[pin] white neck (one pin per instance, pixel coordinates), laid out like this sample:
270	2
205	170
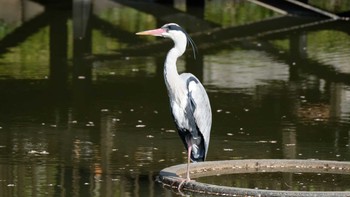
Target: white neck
171	75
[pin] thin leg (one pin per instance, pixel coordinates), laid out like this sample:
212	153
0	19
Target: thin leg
188	163
189	149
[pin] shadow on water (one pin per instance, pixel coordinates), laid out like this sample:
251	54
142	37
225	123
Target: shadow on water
84	110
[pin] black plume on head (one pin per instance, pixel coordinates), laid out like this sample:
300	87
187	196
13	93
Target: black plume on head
176	27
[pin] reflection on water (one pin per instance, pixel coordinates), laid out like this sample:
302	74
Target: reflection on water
331	53
89	116
224	70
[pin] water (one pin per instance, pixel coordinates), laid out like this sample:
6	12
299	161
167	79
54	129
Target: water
90	116
283	181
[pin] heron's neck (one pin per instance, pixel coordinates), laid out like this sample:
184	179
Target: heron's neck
171	76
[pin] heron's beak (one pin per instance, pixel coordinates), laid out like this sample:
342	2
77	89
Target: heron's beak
153	32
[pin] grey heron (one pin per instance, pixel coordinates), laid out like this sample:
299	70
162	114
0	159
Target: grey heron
189	101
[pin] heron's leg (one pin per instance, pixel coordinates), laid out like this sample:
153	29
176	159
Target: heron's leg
189	149
188	161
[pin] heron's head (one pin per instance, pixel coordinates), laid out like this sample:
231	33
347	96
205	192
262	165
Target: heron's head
174	32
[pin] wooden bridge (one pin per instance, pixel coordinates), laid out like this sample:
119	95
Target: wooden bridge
212	35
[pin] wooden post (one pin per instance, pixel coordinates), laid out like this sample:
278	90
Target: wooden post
168	2
195	7
58	52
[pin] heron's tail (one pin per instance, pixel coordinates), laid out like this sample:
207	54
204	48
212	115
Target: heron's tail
198	152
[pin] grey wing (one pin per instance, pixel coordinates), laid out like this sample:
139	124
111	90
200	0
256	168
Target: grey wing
202	110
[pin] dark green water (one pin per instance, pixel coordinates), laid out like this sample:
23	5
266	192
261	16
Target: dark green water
283	181
87	113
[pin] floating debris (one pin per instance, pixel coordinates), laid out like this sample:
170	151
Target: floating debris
44	152
170	131
228	149
230	134
267	142
219	110
289	144
140	125
150	136
115	119
104	110
81	77
90	124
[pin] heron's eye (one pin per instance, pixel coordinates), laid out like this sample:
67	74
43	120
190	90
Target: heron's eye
170	27
173	27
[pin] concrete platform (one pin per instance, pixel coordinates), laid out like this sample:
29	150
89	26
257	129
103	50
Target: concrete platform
171	177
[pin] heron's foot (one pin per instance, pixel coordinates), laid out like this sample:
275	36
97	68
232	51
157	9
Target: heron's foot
183	182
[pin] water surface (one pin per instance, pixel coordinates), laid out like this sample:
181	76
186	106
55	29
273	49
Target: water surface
89	115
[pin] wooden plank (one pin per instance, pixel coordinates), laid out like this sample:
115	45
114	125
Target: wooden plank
166	14
294	7
24	31
314	9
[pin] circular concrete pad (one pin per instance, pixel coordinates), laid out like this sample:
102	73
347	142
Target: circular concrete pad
171	177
